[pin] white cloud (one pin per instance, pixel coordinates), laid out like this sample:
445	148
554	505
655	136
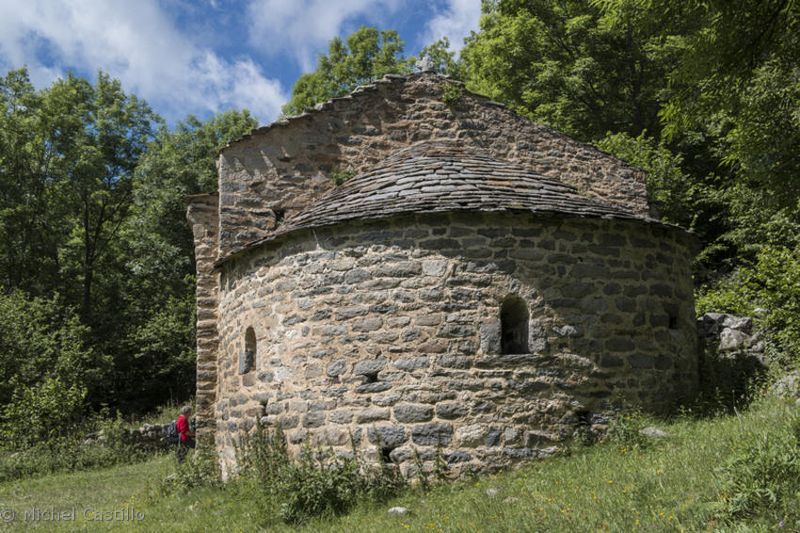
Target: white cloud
138	43
303	28
455	22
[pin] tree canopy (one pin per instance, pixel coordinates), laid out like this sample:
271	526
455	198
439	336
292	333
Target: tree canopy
93	238
366	54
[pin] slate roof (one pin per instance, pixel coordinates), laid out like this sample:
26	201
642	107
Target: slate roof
444	176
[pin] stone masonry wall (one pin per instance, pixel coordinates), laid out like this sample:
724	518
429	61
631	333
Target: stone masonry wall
389	332
202	214
284	167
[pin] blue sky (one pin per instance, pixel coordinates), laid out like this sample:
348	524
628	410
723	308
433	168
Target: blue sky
205	56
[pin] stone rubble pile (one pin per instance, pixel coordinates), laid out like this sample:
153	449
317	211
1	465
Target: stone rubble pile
731	335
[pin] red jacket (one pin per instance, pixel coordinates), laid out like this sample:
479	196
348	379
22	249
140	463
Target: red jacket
183	428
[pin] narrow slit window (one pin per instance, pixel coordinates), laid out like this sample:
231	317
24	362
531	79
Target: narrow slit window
514	326
247	359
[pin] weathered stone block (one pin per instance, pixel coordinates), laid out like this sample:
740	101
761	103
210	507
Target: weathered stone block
641	361
451	410
411	363
408	412
432	434
336	368
472	436
373	387
434	267
387	437
346	313
314	419
372	414
368	367
368	324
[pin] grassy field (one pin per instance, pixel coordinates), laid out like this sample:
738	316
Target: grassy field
672	485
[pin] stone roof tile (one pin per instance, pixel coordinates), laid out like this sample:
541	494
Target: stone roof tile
444	176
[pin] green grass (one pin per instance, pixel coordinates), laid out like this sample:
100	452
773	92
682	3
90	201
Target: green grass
672	485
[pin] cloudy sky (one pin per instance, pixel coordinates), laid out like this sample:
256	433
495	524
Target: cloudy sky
205	56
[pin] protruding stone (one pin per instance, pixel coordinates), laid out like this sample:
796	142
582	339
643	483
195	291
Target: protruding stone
408	412
432	434
387	437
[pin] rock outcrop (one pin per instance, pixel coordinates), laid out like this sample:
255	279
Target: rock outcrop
732	355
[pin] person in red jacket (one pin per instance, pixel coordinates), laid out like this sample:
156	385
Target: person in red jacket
185	433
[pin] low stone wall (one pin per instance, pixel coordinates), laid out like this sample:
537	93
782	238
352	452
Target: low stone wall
150	436
389	333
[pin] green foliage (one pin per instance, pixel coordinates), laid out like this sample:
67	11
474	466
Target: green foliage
156	355
68	154
772	284
731	108
682	484
452	94
762	482
339	176
42	413
46	367
199	470
90	444
161	353
625	431
565	64
318	483
367	54
702	95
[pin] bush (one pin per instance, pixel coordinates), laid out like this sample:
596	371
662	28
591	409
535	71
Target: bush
763	481
199	470
41	413
772	283
317	483
625	431
97	443
47	370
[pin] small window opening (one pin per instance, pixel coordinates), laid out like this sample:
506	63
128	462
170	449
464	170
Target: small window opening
371	377
247	359
673	321
280	214
514	326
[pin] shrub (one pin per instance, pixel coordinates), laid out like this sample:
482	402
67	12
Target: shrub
41	413
47	370
452	93
772	283
763	481
200	470
673	191
625	430
317	483
339	176
106	445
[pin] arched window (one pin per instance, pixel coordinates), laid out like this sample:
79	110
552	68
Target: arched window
514	325
247	359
